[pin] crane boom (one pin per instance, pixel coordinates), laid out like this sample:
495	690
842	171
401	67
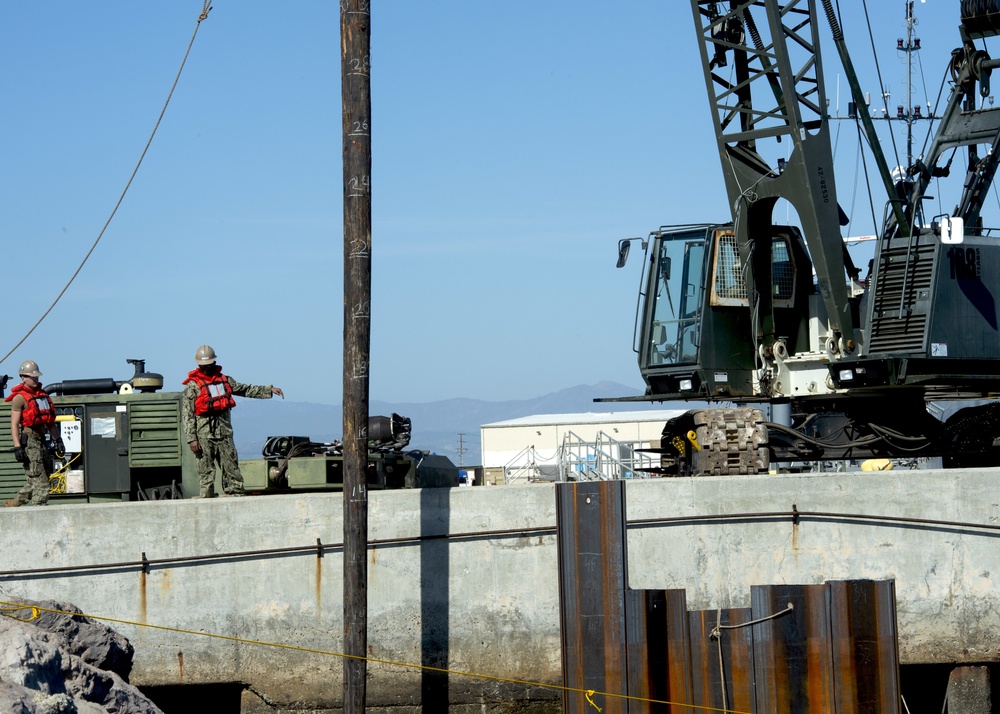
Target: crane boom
774	92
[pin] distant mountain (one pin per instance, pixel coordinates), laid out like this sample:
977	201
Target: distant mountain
436	425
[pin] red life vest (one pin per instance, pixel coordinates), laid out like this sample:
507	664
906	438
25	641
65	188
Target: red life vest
38	407
214	393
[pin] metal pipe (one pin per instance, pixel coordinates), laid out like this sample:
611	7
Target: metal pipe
781	413
795	516
84	386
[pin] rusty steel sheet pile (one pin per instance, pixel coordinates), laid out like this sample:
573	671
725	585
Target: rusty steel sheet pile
591	524
721	659
829	647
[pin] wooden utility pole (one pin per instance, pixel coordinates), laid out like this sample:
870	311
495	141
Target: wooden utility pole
355	43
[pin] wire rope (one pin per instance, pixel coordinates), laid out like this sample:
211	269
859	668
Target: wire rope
206	8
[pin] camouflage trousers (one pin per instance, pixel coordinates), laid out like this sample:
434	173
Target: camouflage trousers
221	452
37	468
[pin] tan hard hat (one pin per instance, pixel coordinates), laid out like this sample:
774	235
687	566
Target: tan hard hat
29	368
205	355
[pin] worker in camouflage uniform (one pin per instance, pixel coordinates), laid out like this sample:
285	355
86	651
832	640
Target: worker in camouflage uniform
208	430
32	415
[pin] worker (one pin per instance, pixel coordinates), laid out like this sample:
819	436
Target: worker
208	430
32	415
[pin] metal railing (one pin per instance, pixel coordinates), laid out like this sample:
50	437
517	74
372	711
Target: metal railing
523	467
602	459
605	458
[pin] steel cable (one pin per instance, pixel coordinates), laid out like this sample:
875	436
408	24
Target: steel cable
206	8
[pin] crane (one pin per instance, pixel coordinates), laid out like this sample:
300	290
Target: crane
752	316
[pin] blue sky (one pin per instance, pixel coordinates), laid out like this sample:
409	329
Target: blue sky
513	145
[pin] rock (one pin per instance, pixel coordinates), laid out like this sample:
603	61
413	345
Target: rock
94	643
65	664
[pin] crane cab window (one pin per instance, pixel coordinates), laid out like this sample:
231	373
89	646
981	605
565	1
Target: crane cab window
728	276
677	290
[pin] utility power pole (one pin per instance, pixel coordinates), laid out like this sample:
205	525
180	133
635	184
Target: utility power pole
461	448
355	44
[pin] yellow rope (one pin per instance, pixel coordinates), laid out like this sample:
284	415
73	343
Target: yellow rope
588	693
35	612
57	480
591	701
66	465
206	8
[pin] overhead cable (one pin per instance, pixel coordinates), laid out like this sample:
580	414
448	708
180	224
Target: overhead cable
206	8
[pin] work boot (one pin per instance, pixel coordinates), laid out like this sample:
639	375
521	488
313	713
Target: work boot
11	503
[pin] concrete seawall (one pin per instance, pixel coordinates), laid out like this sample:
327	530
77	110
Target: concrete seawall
486	601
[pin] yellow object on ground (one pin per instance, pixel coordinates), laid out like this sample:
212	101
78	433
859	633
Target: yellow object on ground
876	465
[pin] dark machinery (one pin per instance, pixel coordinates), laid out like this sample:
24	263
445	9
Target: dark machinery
296	462
900	364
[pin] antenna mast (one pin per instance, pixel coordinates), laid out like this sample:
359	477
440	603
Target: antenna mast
912	113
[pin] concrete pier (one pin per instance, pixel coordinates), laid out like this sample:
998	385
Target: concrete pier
479	610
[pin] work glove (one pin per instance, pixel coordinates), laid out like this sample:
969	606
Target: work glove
60	447
19	454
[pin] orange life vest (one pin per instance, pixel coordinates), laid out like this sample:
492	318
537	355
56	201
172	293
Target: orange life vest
214	393
38	407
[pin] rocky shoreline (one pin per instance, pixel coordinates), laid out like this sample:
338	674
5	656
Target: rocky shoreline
54	662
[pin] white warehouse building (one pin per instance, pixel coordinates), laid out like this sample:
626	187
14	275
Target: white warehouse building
564	447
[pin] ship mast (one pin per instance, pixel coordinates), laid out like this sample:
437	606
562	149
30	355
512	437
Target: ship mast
912	112
909	113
